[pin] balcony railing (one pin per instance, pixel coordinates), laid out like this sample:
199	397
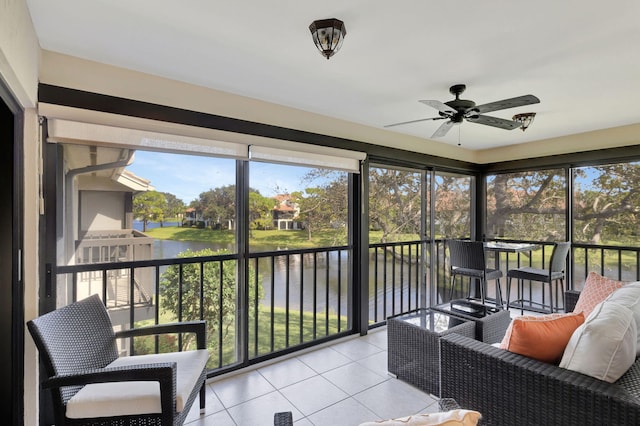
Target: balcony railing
297	298
616	262
294	298
112	246
395	278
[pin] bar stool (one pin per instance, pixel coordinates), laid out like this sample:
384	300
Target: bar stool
468	259
551	276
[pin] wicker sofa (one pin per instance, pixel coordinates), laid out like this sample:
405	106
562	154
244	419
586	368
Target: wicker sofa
510	389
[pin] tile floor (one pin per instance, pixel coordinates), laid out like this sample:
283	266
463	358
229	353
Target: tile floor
343	384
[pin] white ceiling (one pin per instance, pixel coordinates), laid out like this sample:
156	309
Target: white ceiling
581	58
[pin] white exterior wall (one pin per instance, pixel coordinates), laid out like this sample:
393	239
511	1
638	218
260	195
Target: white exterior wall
101	210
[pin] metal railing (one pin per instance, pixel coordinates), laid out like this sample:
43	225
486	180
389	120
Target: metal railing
293	298
297	298
306	297
395	278
397	288
616	262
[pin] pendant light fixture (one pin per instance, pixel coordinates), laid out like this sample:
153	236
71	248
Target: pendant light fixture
328	35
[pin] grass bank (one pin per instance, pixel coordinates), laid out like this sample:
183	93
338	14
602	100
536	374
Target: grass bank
292	239
264	344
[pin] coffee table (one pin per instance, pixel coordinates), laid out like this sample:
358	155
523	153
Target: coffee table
414	346
490	323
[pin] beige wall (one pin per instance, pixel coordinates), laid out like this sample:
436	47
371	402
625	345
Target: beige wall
599	139
19	64
67	71
30	260
19	52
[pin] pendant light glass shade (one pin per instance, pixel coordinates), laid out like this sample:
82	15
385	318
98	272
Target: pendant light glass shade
328	35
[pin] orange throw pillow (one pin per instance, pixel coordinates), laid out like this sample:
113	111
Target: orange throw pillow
541	337
596	289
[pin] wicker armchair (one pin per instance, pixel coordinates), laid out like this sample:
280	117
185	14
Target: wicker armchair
511	389
90	385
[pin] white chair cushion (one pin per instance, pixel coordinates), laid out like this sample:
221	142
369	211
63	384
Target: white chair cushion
131	398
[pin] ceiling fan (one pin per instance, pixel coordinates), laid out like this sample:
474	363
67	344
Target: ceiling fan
458	110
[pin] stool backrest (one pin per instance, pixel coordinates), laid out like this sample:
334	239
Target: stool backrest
467	254
559	255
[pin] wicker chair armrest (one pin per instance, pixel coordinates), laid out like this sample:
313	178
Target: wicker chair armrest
197	327
510	389
164	373
448	404
139	372
570	300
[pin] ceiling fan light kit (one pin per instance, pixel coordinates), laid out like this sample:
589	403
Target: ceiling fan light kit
525	119
458	110
328	35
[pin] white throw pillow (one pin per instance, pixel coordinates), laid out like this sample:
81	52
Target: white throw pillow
604	346
448	418
629	296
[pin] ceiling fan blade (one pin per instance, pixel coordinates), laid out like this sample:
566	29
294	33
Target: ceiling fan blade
442	107
507	103
414	121
495	122
443	129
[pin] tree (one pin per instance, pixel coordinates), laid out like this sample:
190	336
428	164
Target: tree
173	207
260	210
394	202
217	205
219	296
607	203
149	206
324	206
452	205
527	205
532	204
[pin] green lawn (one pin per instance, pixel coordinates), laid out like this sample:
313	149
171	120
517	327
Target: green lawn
292	239
264	343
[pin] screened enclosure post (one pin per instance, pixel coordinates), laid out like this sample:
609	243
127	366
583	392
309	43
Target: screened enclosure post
478	208
242	237
429	291
569	226
422	269
359	241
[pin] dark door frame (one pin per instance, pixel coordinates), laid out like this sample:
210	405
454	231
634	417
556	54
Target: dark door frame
11	188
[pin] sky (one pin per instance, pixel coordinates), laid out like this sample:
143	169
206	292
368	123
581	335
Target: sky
186	176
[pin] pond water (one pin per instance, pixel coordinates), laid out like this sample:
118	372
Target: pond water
308	276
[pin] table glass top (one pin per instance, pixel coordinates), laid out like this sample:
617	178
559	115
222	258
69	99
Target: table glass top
430	320
465	307
504	246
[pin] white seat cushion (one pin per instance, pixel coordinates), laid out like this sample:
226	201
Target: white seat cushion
131	398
